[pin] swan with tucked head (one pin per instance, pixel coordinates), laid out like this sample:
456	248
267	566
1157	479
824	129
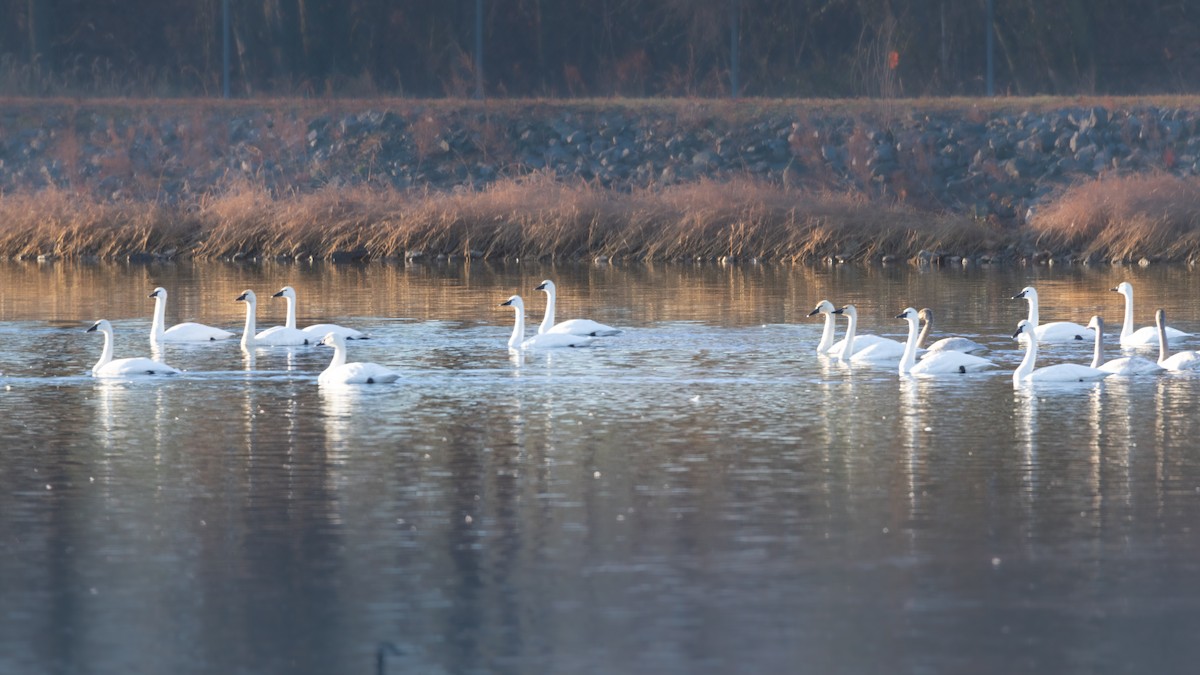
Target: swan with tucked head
340	372
880	349
1185	360
316	331
950	344
1059	372
1146	336
542	340
935	363
571	326
132	367
180	332
1126	365
279	336
1056	331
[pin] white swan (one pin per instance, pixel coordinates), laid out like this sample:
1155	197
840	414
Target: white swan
572	326
879	349
107	367
340	372
542	340
1146	336
950	344
1185	360
180	332
279	336
1056	331
1060	372
935	363
825	307
1126	365
316	331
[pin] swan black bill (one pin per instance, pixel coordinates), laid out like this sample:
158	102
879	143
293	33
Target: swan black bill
1019	331
155	294
1018	296
902	315
278	295
506	303
838	310
240	298
815	311
94	328
540	287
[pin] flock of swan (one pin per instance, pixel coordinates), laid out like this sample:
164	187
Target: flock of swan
959	355
572	333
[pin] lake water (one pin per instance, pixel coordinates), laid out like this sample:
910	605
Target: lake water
700	494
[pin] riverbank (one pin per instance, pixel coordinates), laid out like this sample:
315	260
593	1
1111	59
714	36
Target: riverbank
930	181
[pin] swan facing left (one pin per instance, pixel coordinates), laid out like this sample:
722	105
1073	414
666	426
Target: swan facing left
315	331
131	367
541	340
340	372
277	336
180	332
571	326
942	362
1059	372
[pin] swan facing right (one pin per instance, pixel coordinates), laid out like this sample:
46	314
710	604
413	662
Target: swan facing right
136	366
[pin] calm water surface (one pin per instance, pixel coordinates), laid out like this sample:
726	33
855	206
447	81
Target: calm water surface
701	494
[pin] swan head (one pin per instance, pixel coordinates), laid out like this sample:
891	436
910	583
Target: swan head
1160	317
514	302
102	326
159	292
333	340
286	292
1028	293
848	310
247	297
1124	288
909	314
925	315
546	285
823	307
1023	327
1097	323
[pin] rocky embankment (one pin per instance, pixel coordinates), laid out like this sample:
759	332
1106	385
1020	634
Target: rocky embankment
999	163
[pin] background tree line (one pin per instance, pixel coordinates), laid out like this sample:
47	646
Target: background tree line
555	48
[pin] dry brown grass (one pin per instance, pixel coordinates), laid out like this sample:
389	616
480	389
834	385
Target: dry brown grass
1125	218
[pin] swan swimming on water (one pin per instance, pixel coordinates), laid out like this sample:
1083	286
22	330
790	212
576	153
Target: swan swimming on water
1060	372
951	344
542	340
1126	365
1055	331
1185	360
180	332
571	326
137	366
1146	336
340	372
279	336
317	331
880	349
827	345
935	363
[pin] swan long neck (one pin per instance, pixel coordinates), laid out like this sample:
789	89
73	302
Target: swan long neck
1163	350
339	355
159	325
848	349
925	331
827	334
1127	326
1033	314
1026	368
106	355
1098	350
548	319
518	334
910	347
291	312
248	331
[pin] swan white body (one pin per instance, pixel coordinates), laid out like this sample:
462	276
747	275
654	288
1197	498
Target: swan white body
877	349
825	307
1057	331
542	340
935	363
316	332
1061	372
1125	365
1185	360
279	336
950	344
572	326
133	367
339	372
180	332
1146	336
